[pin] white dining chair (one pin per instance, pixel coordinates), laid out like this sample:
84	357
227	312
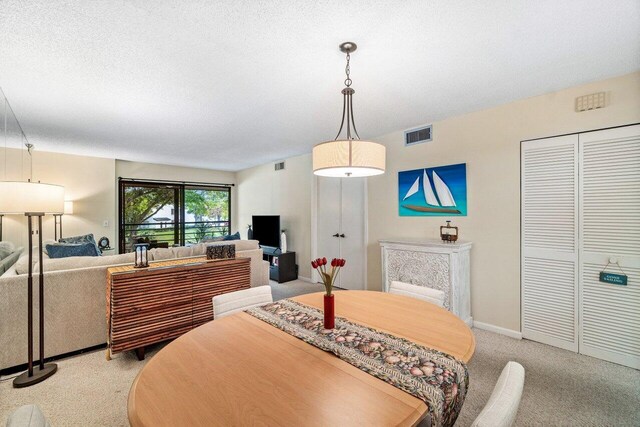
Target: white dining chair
28	416
502	407
424	293
232	302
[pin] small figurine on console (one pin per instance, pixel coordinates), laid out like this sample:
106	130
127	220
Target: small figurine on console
448	233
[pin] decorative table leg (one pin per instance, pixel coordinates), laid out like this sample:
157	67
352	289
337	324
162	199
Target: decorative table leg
140	353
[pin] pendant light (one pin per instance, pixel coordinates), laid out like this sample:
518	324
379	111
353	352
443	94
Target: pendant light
350	156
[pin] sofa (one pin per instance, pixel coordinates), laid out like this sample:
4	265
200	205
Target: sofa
9	254
75	298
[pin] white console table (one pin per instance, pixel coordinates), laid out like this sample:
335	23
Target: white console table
431	263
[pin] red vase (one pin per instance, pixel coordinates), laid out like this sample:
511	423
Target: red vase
329	312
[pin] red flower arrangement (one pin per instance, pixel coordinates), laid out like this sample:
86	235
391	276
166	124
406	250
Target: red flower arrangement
328	277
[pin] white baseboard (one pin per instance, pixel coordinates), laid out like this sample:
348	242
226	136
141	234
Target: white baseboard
305	279
497	329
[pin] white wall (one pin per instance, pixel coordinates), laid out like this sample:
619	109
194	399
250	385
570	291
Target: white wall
264	191
88	182
489	143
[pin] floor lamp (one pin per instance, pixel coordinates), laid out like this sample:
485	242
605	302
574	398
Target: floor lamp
57	220
57	225
34	200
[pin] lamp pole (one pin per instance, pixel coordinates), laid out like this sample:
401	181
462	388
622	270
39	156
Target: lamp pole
57	224
41	372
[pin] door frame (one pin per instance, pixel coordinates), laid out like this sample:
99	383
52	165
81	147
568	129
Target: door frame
179	203
315	277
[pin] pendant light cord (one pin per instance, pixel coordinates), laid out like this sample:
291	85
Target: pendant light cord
347	104
347	71
30	152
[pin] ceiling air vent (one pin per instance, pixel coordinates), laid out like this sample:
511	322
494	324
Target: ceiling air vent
279	166
417	136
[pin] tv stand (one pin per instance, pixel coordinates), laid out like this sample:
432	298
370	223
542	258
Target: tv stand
282	265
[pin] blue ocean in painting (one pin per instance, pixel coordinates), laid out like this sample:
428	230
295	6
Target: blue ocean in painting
447	191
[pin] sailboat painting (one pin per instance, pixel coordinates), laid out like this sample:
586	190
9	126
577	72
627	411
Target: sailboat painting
439	191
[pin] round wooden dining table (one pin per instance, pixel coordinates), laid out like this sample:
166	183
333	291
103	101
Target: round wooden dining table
239	370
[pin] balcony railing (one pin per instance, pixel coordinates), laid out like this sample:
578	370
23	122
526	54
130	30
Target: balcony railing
165	234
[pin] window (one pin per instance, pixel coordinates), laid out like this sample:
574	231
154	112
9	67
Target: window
166	214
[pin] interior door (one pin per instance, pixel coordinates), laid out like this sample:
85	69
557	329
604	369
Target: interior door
549	269
352	238
341	227
610	231
329	217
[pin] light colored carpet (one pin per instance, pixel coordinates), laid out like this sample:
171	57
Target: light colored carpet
561	388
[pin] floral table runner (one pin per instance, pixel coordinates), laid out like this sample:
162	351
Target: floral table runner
438	379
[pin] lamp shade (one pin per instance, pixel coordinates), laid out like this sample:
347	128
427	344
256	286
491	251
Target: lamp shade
349	158
19	197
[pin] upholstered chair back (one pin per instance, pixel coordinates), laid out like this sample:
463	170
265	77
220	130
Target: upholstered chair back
232	302
433	296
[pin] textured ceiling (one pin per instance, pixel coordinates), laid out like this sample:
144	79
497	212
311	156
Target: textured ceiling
232	84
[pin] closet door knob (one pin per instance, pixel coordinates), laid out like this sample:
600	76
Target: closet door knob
336	235
342	235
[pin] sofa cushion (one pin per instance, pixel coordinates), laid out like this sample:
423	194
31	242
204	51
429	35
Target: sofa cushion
235	236
7	262
85	238
160	254
72	263
65	250
4	253
22	264
182	251
6	249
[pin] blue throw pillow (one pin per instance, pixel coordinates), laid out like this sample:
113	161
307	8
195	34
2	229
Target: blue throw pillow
232	236
86	238
64	250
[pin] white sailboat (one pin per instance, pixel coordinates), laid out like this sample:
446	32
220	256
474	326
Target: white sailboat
413	190
429	197
443	203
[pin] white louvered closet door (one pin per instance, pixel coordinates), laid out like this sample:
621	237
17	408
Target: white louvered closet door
610	228
549	252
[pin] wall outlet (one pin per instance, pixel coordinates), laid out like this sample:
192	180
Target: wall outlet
105	223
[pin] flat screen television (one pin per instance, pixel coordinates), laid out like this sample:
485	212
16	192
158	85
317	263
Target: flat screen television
266	230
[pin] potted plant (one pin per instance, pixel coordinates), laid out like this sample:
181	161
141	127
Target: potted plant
328	277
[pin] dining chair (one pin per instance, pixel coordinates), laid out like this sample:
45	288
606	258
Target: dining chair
232	302
502	407
28	416
424	293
